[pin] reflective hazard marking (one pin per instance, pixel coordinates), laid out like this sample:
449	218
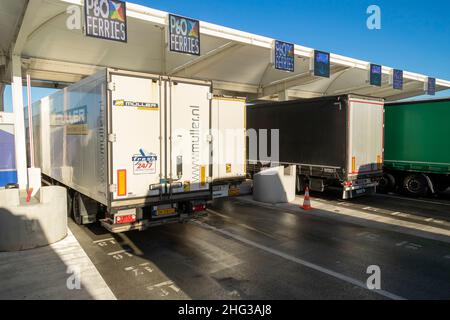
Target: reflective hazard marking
122	183
203	175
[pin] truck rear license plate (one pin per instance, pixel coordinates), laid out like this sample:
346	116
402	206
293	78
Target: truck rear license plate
166	212
360	191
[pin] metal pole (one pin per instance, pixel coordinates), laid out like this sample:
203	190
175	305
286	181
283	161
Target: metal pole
30	122
19	125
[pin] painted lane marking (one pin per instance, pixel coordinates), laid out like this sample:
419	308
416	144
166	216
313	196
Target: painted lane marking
302	262
140	270
117	252
413	200
370	236
119	255
409	245
242	224
161	288
104	240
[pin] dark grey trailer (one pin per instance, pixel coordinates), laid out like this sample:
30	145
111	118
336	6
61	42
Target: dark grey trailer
335	142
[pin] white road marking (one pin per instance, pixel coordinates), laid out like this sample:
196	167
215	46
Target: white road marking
414	200
104	240
161	286
116	252
369	236
242	224
409	245
302	262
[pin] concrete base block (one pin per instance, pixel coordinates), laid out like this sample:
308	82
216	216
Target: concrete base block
275	185
41	222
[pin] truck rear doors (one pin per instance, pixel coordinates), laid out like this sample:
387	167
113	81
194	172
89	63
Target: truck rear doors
137	123
229	139
159	137
189	144
366	131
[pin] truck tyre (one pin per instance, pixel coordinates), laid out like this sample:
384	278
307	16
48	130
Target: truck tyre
301	184
386	183
77	208
416	185
69	203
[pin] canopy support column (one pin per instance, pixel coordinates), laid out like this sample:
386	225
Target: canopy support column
19	121
2	97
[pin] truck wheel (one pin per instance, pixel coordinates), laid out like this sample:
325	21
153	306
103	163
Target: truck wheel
301	184
77	205
386	183
416	185
69	204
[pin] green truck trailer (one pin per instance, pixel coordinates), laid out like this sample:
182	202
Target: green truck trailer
417	147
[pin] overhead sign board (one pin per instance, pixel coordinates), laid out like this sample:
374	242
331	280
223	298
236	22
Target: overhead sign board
284	56
321	64
184	35
105	19
397	79
430	86
375	75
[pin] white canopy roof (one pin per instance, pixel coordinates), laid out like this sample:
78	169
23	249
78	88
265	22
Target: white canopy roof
237	62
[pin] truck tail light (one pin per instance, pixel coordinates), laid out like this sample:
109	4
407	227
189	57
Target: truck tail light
348	183
199	208
130	218
122	183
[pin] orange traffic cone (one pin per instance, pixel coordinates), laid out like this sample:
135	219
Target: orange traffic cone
307	201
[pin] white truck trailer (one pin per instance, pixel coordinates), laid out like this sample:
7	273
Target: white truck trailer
134	150
228	124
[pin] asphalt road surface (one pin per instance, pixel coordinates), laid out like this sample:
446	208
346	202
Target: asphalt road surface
244	251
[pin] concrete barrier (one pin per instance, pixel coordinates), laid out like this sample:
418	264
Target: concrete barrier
41	222
275	185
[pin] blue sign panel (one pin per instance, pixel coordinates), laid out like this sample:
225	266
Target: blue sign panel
321	64
375	75
8	173
397	79
431	87
284	56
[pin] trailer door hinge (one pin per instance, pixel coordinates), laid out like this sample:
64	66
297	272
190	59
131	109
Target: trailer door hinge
210	96
112	137
113	188
209	138
111	86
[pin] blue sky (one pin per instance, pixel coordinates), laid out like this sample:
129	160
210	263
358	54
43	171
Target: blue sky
415	35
